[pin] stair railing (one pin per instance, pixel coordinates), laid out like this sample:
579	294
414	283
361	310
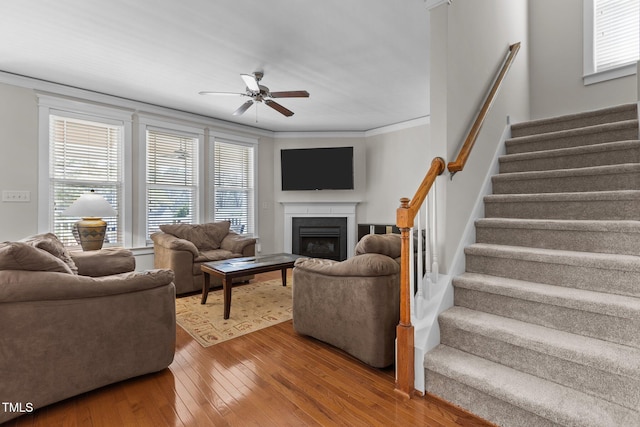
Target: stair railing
405	217
458	164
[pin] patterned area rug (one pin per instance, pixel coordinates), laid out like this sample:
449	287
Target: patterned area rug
253	306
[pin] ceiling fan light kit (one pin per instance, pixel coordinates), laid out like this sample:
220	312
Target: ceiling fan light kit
260	93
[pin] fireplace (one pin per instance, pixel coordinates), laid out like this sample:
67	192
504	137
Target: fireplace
320	237
325	210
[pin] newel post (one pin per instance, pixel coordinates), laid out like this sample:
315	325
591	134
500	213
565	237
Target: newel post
404	331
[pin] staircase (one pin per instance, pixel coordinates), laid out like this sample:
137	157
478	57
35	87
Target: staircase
545	328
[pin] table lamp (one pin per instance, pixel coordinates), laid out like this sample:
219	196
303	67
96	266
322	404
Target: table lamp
91	207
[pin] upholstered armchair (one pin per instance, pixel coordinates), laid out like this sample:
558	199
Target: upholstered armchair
76	321
353	304
184	247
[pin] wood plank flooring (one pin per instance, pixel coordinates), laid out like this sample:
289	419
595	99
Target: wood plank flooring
272	377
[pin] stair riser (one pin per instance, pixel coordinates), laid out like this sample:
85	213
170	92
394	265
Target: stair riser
615	388
514	146
574	122
606	327
590	210
601	158
570	276
483	405
572	240
567	184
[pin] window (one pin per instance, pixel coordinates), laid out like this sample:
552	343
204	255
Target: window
234	185
172	178
84	155
611	38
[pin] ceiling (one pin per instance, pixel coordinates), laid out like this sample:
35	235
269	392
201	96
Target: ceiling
364	62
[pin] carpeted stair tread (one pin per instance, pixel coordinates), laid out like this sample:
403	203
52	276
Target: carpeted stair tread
618	237
561	225
588	205
590	301
611	273
602	355
606	370
553	402
618	131
576	120
596	178
608	153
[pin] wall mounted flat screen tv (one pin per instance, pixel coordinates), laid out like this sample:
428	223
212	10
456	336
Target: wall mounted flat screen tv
317	168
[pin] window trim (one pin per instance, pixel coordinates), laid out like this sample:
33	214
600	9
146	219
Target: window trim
591	76
211	188
48	106
145	123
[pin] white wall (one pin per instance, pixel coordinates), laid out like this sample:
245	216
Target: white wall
396	164
469	41
556	52
18	160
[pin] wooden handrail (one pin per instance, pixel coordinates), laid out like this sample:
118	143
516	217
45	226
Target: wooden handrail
458	164
405	216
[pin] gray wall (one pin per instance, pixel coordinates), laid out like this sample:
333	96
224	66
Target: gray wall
556	51
18	160
469	40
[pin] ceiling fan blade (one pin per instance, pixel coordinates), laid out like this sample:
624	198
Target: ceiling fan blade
279	108
251	82
244	107
222	93
290	94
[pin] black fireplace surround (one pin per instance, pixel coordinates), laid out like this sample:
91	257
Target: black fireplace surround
320	237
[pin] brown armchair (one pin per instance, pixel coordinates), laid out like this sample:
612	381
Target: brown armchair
354	304
184	247
73	322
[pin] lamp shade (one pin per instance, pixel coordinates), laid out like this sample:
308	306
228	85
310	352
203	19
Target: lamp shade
90	205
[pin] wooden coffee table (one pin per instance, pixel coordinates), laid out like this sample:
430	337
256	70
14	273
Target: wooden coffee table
229	269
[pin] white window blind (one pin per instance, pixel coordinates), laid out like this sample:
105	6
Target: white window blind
84	155
234	185
616	33
172	179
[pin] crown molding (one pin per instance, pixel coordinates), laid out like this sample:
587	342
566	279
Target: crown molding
432	4
51	90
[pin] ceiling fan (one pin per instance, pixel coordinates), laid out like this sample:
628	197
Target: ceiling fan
260	93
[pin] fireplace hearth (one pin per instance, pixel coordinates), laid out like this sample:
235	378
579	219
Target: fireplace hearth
320	237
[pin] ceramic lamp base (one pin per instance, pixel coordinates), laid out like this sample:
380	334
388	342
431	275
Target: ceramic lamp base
91	232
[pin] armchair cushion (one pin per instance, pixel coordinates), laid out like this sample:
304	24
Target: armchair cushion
104	262
385	244
23	256
235	243
365	265
203	236
49	242
169	241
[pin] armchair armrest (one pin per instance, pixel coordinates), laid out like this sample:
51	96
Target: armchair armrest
169	241
238	244
22	285
103	262
365	265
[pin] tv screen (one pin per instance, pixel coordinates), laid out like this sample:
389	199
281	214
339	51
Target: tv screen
317	168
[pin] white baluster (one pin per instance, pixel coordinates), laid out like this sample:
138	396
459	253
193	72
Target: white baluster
434	235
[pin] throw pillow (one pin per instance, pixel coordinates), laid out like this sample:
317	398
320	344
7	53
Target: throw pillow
49	242
23	256
203	236
385	244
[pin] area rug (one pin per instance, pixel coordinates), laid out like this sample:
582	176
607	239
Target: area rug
253	306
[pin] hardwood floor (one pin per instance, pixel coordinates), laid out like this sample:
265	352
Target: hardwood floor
272	377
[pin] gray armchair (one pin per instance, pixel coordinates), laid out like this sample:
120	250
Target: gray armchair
183	248
354	304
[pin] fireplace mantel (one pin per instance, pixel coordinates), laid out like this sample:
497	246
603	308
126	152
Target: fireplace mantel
320	209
